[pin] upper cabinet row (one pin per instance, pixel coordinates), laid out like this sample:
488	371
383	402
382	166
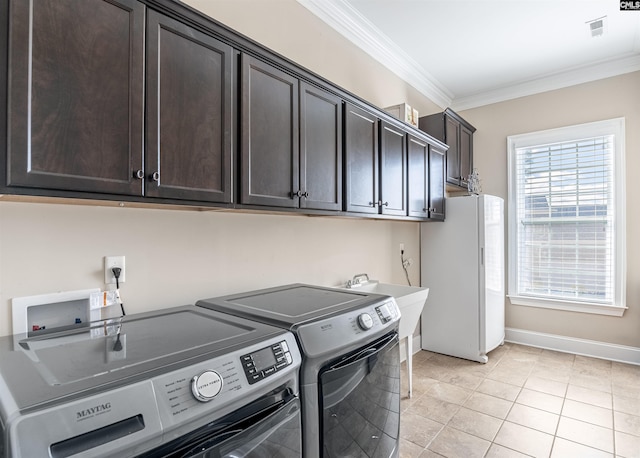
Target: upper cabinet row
390	172
292	152
109	98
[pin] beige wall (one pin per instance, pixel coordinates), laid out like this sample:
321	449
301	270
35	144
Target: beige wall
176	257
604	99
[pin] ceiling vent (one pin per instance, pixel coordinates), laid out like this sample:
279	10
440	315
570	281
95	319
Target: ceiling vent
596	27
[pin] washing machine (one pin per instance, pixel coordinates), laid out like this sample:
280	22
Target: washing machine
184	381
350	373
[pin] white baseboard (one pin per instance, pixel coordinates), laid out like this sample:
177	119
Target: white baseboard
595	349
416	346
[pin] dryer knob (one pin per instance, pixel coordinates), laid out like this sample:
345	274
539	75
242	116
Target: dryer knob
206	386
365	321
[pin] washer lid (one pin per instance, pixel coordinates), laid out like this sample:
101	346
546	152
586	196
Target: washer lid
36	371
291	305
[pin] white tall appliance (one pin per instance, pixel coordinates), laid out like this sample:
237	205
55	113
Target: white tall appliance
462	262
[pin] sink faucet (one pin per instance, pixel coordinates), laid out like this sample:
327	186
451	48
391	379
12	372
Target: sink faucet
357	280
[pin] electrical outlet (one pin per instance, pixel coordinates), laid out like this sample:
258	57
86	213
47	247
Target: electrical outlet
109	263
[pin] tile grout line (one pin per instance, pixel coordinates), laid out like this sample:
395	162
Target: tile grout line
613	417
555	433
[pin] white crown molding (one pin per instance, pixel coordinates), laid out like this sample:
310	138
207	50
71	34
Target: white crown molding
347	21
571	77
356	28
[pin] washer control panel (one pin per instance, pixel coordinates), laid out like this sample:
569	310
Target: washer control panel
220	385
266	361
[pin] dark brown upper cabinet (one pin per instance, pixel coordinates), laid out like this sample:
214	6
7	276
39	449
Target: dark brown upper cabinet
418	181
270	132
189	113
320	149
465	153
291	141
75	116
376	164
437	180
451	129
426	178
361	160
393	170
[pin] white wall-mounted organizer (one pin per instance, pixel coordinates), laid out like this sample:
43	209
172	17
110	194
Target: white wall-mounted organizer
36	315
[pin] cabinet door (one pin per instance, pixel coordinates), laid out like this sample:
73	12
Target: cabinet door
189	113
320	149
270	135
393	170
451	129
361	157
466	155
436	183
418	181
75	115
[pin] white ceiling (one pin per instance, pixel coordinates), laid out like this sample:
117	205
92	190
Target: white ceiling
469	53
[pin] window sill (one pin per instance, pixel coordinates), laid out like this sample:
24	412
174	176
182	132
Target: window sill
580	307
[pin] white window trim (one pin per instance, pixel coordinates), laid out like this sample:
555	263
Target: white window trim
607	127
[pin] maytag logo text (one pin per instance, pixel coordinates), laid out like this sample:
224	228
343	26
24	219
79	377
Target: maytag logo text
91	411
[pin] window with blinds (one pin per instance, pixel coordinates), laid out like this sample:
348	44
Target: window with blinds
565	214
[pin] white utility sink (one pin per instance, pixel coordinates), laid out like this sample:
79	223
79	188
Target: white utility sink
410	300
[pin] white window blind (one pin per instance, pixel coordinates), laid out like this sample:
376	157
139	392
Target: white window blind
564	218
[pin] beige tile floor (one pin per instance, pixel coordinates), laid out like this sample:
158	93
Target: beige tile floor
524	402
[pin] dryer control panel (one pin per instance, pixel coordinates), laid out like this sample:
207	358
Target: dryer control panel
326	337
386	312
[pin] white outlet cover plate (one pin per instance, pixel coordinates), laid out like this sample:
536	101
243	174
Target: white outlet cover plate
111	262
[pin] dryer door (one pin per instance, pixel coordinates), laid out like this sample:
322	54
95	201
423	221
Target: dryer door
360	395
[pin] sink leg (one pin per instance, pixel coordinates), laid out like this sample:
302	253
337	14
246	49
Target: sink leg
409	346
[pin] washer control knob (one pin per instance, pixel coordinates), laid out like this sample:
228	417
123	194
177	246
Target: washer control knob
206	386
365	321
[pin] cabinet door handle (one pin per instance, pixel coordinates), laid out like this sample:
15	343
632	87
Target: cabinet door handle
301	193
381	203
373	204
139	174
155	176
305	194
